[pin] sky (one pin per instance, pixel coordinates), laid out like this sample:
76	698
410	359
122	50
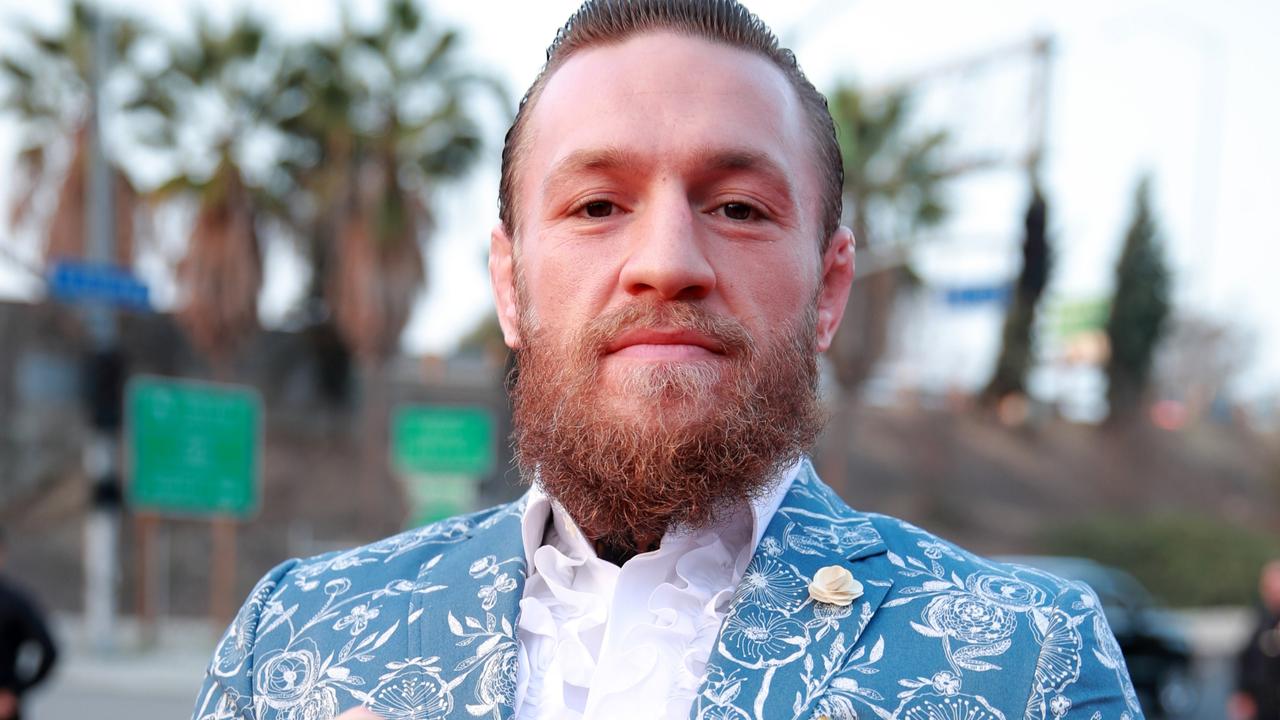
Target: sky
1182	90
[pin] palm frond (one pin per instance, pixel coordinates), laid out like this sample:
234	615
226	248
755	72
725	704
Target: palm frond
439	54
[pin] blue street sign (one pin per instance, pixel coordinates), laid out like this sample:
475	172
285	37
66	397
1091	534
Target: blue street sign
977	295
85	282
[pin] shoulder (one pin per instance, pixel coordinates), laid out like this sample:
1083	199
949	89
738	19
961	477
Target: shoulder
400	556
382	574
913	549
1004	626
956	627
916	554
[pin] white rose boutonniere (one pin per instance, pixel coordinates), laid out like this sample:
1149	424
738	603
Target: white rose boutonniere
835	585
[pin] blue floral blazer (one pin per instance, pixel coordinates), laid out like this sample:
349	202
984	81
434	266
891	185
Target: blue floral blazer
423	626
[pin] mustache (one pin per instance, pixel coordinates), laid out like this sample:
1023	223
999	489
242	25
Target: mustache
601	332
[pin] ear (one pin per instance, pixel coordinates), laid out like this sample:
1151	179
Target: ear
503	278
837	278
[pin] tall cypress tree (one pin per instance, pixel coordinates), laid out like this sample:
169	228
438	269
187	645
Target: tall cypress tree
1017	351
1139	309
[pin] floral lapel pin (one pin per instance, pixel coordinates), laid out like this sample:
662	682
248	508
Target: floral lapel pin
835	585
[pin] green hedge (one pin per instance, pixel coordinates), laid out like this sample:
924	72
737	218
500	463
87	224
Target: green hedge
1184	560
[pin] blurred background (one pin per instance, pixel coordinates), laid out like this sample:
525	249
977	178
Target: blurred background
245	313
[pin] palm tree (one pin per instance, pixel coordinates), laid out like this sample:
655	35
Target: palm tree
1017	351
894	181
51	95
210	112
221	272
386	120
1140	308
893	184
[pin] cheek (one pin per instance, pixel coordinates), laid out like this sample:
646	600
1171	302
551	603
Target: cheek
561	291
774	288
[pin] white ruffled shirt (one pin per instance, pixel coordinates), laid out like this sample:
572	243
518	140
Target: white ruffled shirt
601	641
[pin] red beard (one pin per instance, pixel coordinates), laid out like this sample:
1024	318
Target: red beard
719	432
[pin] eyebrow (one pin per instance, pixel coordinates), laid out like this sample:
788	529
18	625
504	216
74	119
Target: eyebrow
713	160
602	160
757	163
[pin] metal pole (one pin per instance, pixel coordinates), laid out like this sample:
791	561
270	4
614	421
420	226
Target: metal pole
104	376
1038	106
222	579
145	525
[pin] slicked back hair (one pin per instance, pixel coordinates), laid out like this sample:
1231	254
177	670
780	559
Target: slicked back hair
610	22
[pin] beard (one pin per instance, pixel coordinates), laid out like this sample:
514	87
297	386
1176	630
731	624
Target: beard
707	436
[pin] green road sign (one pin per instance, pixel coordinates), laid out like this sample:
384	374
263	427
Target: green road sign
194	448
442	440
441	453
1075	317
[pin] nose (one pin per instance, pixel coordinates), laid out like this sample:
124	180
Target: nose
666	256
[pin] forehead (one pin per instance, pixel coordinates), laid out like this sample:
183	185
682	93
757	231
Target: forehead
669	98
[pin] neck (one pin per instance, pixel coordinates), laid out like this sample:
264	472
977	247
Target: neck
619	553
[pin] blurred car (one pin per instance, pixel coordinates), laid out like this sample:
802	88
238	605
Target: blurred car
1156	651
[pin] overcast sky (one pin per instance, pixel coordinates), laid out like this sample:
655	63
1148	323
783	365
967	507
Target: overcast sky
1183	89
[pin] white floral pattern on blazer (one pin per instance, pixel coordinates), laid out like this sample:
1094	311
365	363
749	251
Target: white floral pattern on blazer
421	626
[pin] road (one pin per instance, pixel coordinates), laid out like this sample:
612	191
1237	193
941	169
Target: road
52	706
131	683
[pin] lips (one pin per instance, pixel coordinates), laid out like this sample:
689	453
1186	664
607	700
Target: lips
673	343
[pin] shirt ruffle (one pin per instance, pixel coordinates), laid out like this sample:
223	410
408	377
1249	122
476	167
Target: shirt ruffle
597	640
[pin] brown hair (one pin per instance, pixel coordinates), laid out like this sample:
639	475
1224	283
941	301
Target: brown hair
605	22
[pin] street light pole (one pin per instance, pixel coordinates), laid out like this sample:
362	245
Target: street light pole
104	374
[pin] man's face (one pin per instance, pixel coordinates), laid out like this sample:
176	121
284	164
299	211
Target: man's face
665	292
669	169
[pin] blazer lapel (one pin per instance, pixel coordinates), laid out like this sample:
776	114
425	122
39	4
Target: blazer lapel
466	603
778	649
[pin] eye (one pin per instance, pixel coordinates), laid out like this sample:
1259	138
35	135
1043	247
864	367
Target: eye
598	208
740	211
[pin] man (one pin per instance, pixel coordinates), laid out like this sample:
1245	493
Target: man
1258	673
27	652
668	264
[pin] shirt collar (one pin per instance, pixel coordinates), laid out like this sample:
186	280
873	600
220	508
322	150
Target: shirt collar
542	507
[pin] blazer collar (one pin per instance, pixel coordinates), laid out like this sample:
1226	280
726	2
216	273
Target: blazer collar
778	649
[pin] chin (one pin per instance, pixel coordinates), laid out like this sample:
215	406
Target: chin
679	383
666	411
669	421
